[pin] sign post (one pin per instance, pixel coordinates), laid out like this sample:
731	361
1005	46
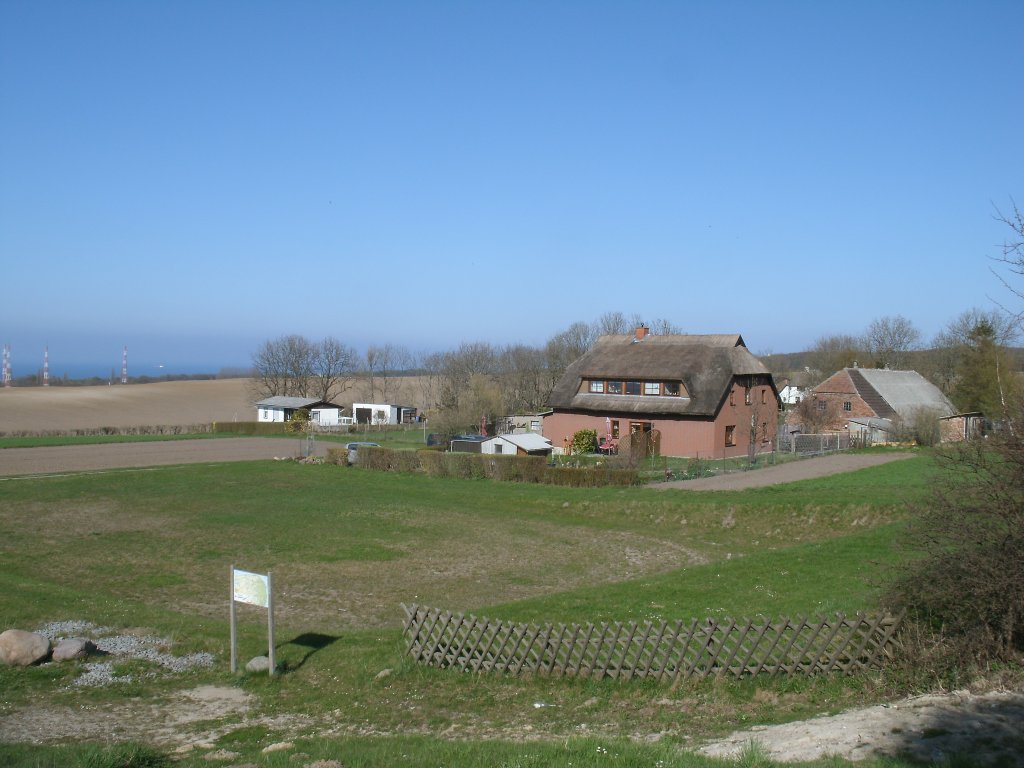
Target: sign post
252	589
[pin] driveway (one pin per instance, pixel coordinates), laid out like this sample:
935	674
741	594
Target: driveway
805	469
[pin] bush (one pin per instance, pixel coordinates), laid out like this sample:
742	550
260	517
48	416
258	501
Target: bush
584	441
963	572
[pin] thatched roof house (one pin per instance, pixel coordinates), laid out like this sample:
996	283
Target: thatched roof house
702	393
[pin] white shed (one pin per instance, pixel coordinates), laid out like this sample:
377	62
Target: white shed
282	408
380	414
528	443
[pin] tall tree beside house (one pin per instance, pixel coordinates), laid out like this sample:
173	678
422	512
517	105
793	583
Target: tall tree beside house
888	340
985	381
333	369
294	366
952	345
833	353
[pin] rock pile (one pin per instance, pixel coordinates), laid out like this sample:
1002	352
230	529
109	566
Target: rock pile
66	641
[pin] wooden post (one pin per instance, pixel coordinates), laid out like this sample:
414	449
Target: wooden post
270	619
234	620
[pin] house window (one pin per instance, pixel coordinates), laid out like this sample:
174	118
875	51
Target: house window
642	427
632	387
847	406
732	397
615	429
652	388
614	387
821	405
746	395
730	436
764	396
498	447
670	388
597	386
535	425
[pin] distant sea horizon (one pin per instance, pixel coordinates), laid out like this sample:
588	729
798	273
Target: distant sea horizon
85	371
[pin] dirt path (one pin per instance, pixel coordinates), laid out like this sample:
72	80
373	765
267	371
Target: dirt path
806	469
90	458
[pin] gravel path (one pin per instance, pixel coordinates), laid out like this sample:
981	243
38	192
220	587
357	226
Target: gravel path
805	469
91	458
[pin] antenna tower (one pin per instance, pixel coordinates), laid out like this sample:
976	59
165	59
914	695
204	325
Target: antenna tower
124	366
7	365
46	366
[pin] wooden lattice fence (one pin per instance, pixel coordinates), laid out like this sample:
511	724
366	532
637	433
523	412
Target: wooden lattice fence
665	651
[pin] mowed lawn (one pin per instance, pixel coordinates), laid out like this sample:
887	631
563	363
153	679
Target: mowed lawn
347	546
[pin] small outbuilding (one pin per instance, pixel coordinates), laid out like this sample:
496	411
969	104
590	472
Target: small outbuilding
381	414
282	408
526	444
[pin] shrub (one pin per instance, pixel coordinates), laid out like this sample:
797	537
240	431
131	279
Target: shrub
584	441
963	574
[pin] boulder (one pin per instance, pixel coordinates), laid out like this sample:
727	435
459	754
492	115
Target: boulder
19	648
258	664
73	648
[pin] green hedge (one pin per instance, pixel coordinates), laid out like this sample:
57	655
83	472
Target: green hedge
253	427
476	466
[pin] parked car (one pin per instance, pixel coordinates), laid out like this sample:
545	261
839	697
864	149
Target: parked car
353	450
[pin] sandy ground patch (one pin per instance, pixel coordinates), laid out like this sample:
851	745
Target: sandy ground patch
989	728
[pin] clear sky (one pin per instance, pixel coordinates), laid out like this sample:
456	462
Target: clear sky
191	178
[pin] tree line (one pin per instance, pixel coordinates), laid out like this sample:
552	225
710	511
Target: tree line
972	360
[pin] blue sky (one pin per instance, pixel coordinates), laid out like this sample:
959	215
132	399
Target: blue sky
191	178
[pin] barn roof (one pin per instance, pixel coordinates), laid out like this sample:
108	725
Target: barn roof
898	393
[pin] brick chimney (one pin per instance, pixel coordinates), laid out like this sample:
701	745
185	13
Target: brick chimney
641	332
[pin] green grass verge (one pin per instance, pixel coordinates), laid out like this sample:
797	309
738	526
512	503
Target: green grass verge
152	549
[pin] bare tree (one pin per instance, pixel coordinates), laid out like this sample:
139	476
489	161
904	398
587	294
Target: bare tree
523	379
564	348
333	369
663	327
817	414
1013	255
294	366
832	353
382	365
970	358
889	339
283	366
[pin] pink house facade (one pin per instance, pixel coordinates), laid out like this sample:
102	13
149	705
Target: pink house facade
707	395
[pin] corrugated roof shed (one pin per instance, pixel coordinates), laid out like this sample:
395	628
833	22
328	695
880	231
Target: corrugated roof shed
903	391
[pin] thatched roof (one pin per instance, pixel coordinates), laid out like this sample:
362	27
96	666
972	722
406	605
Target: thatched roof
704	364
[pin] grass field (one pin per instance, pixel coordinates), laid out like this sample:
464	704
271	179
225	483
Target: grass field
347	546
